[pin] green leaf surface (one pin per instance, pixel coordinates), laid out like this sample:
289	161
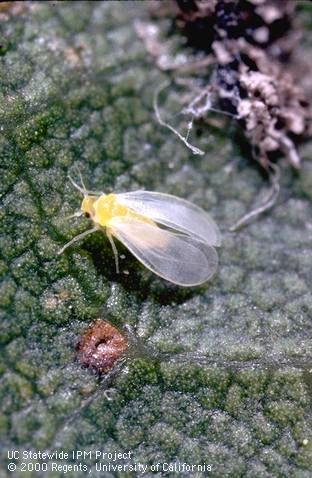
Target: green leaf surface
218	374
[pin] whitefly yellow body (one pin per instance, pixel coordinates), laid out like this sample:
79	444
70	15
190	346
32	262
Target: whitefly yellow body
172	237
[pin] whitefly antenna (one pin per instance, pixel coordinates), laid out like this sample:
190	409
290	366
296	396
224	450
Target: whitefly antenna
85	193
82	183
81	188
77	185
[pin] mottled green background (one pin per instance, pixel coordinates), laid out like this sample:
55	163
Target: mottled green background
219	374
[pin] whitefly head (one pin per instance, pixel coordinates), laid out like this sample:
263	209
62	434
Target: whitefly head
87	202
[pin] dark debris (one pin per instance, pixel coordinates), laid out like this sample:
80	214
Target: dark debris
252	42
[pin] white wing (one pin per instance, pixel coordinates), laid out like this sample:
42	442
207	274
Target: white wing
179	259
173	212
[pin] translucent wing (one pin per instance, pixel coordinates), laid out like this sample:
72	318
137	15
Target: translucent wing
173	212
180	259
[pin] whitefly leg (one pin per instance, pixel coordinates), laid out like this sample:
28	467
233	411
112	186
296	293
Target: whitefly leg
77	238
111	240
